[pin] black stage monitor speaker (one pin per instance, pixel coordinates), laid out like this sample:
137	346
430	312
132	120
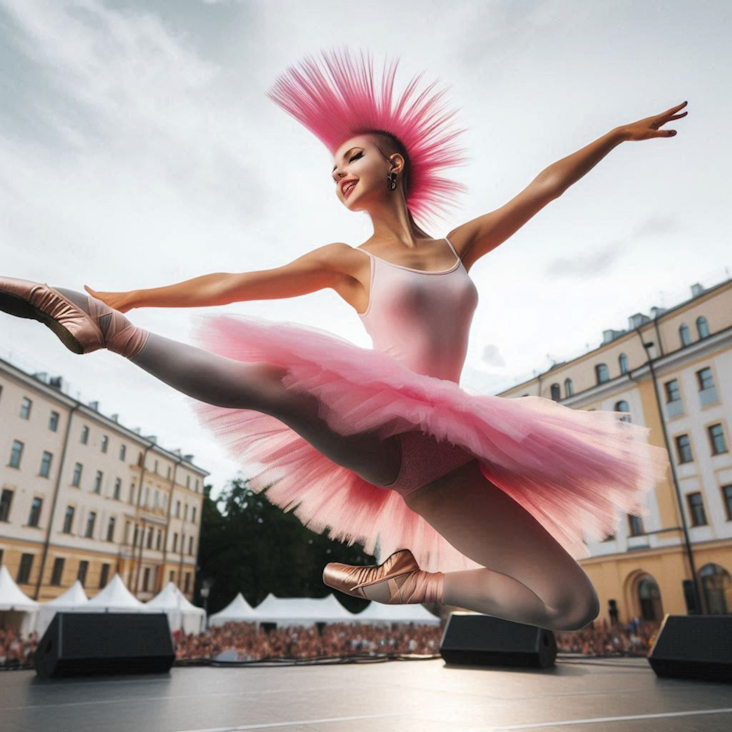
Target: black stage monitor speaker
482	640
105	643
694	647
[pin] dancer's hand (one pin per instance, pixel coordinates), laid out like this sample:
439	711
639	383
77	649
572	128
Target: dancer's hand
121	301
647	128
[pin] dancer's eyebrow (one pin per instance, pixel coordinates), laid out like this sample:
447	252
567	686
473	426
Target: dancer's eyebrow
344	155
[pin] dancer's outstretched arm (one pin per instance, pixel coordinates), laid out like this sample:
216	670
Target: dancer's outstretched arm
316	270
479	236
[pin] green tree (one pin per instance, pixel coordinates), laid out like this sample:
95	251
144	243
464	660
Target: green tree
251	546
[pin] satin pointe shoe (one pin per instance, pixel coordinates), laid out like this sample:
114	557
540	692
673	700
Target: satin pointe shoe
407	583
79	332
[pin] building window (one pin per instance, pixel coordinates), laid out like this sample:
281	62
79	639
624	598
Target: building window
105	442
193	517
150	538
159	540
177	509
156	468
76	481
197	478
190	545
127	532
168	472
727	493
122	452
83	569
35	512
6	499
175	541
90	519
53	421
623	361
187	586
716	437
68	519
702	327
57	572
16	454
696	509
24	570
622	406
98	482
673	394
188	481
146	579
635	524
25	410
602	373
85	435
185	512
46	464
117	489
171	576
132	494
104	576
684	335
683	449
110	528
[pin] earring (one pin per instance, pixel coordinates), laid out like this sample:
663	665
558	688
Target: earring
392	177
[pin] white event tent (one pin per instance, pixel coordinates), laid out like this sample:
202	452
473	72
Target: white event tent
237	611
17	610
182	615
303	611
114	598
73	600
378	612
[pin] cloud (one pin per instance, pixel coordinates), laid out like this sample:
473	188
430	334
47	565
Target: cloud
658	225
593	264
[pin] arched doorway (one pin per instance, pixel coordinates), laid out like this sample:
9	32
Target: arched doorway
717	588
649	598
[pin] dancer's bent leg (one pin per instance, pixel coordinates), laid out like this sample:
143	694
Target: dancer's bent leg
528	576
227	382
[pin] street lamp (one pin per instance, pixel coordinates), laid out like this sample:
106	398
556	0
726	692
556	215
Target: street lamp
205	592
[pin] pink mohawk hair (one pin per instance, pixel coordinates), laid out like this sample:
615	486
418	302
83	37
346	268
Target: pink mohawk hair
347	104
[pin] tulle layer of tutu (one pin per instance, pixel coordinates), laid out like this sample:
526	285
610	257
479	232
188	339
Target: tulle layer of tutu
575	471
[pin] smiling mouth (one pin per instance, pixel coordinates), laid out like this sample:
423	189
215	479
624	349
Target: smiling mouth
347	190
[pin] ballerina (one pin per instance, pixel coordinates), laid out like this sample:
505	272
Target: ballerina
480	502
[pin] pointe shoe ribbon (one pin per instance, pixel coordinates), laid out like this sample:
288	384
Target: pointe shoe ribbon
407	583
122	337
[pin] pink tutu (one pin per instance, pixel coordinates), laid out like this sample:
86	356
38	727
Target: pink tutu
572	470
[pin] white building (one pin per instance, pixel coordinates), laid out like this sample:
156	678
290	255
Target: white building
82	496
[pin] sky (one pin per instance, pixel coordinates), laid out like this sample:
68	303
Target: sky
138	149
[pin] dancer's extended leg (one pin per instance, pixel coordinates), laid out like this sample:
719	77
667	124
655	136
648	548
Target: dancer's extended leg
528	576
226	382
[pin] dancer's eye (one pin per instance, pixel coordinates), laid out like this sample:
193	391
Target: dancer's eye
353	157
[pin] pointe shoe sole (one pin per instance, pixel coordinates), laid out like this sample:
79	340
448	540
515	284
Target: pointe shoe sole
21	308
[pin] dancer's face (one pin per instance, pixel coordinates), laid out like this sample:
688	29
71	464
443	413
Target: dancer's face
360	160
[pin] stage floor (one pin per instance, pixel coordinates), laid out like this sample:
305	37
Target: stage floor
393	696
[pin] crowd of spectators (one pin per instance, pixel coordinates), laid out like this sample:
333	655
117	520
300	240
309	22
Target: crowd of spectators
336	639
634	639
249	643
15	650
246	642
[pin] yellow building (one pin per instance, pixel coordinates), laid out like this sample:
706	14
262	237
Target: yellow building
82	496
671	372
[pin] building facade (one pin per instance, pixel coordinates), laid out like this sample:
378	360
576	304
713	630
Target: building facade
671	372
83	497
